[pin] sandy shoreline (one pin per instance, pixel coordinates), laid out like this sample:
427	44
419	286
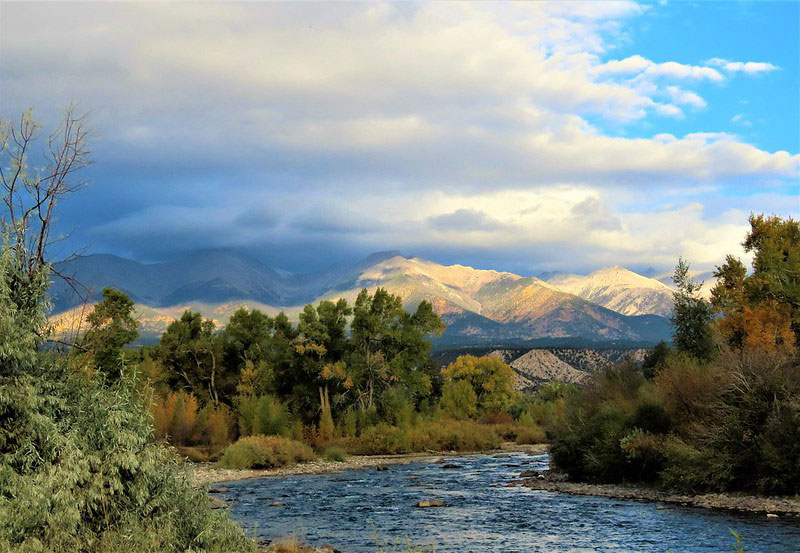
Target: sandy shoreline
203	474
776	506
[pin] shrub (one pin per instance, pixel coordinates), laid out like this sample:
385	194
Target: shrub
530	435
495	418
651	417
644	454
437	435
349	423
690	469
78	472
214	425
200	454
262	415
264	452
175	417
689	390
334	453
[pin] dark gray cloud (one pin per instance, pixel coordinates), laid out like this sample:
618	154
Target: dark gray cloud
466	220
592	214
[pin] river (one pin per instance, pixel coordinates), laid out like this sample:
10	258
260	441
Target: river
357	510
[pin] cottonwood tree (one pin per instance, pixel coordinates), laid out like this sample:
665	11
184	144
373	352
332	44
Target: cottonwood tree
762	310
389	347
190	351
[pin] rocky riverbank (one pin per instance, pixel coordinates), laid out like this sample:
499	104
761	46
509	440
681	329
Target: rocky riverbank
203	474
770	506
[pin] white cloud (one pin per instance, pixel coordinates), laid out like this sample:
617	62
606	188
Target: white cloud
636	64
740	119
749	67
686	97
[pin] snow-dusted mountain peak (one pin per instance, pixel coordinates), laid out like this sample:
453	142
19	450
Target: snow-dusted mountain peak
619	289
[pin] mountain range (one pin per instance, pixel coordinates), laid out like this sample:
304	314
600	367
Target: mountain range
611	305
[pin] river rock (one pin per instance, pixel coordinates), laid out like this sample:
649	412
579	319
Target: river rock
217	503
426	503
451	466
220	489
277	504
381	468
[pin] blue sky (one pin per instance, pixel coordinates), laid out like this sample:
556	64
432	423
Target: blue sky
527	137
767	106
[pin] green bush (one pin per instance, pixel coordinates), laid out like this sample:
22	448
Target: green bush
78	467
729	425
265	452
530	435
262	415
334	453
78	472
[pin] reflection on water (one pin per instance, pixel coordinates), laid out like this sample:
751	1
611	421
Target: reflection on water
357	510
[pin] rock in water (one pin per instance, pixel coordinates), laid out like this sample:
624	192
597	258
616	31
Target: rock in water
425	503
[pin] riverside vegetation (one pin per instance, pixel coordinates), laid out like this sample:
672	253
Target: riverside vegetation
89	434
719	411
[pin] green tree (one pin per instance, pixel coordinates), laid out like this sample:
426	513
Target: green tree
762	309
655	358
691	320
458	400
111	327
246	337
190	352
389	347
321	345
491	380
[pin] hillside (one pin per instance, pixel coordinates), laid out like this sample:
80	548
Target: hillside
533	367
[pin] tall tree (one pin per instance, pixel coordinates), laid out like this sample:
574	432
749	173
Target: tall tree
691	320
762	309
246	337
190	351
36	173
390	347
321	345
111	327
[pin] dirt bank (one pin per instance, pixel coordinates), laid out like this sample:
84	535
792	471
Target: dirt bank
782	507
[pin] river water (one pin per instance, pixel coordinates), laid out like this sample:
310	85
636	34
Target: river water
355	511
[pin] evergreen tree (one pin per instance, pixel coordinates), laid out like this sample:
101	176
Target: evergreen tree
691	320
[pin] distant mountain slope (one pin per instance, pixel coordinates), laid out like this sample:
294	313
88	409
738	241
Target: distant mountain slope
210	276
479	306
574	365
541	365
620	290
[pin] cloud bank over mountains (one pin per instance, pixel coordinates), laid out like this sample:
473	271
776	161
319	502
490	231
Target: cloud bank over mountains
499	135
